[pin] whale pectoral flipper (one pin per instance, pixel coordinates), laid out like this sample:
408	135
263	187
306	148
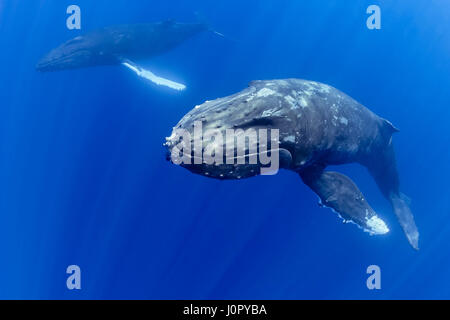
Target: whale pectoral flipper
340	193
147	74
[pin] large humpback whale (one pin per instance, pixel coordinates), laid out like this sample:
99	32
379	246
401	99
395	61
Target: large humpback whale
318	126
123	44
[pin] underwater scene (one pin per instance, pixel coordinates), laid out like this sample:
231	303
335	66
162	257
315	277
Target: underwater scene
258	149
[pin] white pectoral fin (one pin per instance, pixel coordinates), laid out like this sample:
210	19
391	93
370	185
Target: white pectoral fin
147	74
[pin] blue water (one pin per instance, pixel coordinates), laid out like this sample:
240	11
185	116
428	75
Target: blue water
84	180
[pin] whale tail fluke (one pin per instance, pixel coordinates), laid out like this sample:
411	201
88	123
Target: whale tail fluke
406	219
383	169
201	19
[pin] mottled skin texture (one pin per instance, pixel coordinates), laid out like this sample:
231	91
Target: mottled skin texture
319	126
113	45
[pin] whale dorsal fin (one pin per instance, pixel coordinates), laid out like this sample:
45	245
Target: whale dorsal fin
390	127
387	130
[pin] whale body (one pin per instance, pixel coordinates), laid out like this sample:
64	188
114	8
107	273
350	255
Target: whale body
116	44
317	126
122	45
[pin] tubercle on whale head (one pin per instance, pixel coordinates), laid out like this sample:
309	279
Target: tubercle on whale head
221	157
226	153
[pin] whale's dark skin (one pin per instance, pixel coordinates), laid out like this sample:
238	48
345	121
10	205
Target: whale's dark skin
116	44
318	126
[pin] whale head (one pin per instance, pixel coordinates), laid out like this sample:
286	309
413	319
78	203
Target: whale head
230	138
76	53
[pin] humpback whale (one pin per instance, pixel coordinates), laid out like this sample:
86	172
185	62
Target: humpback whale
318	126
122	45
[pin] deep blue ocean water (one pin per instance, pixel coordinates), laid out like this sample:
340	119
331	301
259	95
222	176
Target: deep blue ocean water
84	180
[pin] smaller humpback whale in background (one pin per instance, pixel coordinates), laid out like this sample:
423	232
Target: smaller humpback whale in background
318	126
122	45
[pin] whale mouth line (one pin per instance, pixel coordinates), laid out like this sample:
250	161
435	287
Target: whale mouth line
54	64
257	154
65	61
